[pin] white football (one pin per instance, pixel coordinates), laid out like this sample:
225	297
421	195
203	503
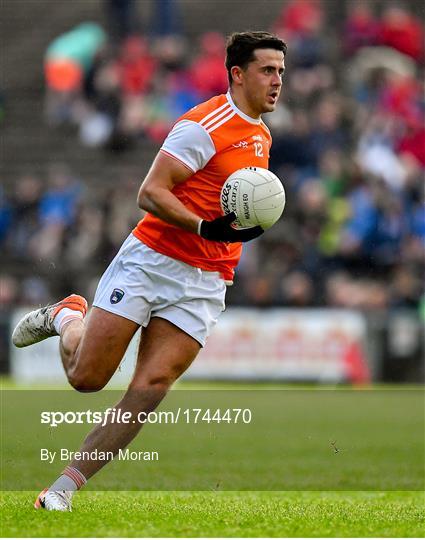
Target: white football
256	195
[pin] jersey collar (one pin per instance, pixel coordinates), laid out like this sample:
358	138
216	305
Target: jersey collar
240	113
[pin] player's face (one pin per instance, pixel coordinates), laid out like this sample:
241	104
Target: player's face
262	80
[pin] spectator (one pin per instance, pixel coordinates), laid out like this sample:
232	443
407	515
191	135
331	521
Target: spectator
68	59
85	237
34	291
122	214
58	204
135	67
401	30
103	106
297	289
122	19
302	23
5	215
208	74
171	52
375	151
412	144
405	288
299	18
328	131
57	209
9	291
24	215
360	28
293	146
166	18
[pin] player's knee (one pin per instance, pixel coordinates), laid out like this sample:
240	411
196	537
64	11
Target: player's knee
86	382
85	386
153	383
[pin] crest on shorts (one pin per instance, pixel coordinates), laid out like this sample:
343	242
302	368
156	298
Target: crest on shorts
116	296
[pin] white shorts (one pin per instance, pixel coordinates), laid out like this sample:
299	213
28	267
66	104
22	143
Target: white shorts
141	283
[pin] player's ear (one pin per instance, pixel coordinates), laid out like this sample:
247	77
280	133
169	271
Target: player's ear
236	73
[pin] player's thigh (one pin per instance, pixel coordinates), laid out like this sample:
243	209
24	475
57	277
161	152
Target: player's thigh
105	340
165	352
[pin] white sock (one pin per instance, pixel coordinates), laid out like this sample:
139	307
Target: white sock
70	480
65	316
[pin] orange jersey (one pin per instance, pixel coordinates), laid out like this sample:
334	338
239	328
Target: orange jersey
214	139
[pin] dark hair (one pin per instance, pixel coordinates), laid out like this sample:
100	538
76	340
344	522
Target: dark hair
240	48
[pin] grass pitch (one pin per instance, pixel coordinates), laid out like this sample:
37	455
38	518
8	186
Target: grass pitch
247	514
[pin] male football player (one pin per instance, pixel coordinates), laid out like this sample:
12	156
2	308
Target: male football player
170	275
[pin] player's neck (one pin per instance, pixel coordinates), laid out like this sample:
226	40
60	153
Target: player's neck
242	104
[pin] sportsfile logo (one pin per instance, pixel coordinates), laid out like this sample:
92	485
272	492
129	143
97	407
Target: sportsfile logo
115	415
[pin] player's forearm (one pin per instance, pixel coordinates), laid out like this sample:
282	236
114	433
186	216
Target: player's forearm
163	204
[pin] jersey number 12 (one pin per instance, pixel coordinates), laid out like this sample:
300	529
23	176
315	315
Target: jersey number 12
258	149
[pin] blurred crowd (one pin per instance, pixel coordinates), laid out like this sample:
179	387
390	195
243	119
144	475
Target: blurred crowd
56	234
348	144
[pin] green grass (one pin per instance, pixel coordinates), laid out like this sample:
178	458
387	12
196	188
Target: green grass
200	514
296	484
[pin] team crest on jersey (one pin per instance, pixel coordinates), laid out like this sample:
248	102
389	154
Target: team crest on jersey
116	296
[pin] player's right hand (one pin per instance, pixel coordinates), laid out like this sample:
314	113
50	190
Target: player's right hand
220	230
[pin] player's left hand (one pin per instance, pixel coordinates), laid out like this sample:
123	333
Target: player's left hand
220	230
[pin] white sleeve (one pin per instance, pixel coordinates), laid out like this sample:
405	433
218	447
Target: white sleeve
190	143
